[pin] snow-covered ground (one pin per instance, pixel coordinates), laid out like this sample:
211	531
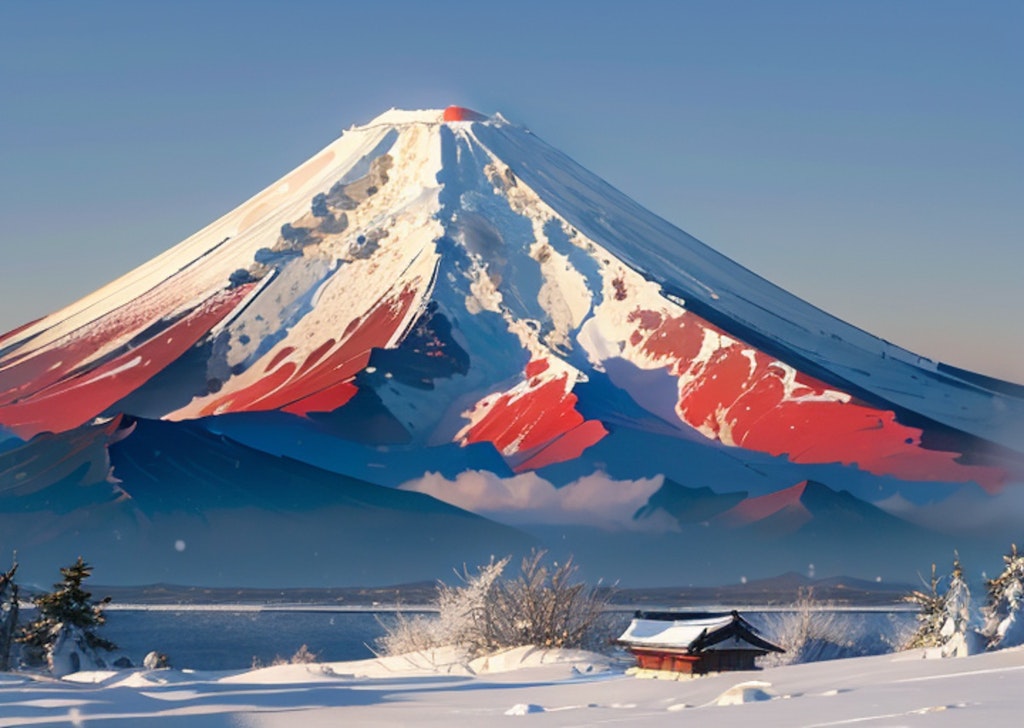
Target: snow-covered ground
527	686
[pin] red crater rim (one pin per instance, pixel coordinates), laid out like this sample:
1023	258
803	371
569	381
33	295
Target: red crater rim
461	113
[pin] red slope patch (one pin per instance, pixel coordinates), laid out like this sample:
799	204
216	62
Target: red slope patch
741	396
537	419
323	380
74	400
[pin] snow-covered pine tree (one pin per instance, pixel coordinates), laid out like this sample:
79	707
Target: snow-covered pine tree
8	615
63	635
1004	626
931	614
955	635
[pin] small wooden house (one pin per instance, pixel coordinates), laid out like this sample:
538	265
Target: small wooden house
694	643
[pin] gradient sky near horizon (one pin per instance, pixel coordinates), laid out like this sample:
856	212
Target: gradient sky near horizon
867	156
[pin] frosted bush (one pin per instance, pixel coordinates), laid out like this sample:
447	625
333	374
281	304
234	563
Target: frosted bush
814	631
302	656
458	609
488	612
155	660
404	634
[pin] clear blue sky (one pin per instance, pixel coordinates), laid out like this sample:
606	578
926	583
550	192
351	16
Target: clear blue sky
866	155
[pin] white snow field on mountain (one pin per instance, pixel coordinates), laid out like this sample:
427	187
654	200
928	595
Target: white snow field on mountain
528	686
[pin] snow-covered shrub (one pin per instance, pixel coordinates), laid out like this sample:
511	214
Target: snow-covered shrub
302	656
8	615
405	633
63	636
455	621
1003	623
540	606
814	631
155	660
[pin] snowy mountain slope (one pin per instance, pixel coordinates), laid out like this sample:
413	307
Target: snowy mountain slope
753	309
444	292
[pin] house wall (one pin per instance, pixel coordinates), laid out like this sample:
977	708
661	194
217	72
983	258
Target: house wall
726	660
715	661
653	660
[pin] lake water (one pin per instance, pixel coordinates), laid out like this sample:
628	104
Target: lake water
225	639
222	639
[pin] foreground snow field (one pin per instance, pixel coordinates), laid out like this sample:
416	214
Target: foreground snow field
532	687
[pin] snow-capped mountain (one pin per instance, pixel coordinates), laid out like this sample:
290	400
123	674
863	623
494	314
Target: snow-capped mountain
440	303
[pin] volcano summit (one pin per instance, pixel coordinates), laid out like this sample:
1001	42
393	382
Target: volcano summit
440	338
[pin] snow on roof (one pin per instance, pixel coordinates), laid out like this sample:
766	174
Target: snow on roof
728	632
681	633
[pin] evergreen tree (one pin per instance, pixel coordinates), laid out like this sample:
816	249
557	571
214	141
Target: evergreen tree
931	614
955	633
66	622
8	615
943	621
1003	625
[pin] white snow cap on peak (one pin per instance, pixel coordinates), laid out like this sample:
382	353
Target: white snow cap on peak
395	116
